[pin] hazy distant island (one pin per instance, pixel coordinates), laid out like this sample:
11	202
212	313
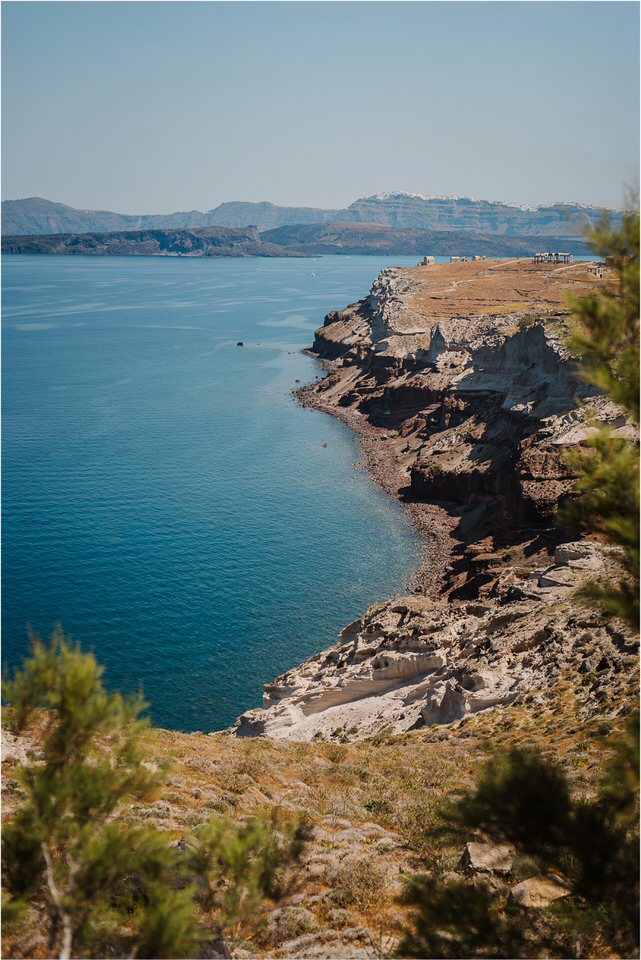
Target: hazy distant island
387	223
403	211
200	242
301	240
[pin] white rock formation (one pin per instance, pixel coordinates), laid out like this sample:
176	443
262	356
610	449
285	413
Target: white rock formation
414	661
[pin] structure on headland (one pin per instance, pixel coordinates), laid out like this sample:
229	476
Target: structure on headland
426	261
595	270
552	258
458	259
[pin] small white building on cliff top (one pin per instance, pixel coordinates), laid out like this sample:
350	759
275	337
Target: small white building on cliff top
552	258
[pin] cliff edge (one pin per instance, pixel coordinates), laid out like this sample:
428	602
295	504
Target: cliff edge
458	380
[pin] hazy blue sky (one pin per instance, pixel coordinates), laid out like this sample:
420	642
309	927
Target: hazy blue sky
154	107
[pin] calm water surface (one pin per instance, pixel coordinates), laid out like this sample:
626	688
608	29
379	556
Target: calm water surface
164	497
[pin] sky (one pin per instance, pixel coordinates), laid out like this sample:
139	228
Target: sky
154	107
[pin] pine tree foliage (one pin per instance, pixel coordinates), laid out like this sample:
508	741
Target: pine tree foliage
457	920
608	504
521	798
240	865
105	883
605	335
109	886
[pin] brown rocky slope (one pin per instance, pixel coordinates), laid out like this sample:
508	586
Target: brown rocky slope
458	379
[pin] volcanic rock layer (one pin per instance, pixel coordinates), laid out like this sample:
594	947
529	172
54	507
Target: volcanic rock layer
458	378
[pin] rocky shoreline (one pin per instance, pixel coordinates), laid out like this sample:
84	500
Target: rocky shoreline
378	458
456	379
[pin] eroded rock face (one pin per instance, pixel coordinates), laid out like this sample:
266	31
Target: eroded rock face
415	661
489	402
462	373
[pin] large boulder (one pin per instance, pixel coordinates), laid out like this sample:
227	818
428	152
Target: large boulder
488	858
538	892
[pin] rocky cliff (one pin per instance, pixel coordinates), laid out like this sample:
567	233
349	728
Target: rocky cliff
417	211
458	379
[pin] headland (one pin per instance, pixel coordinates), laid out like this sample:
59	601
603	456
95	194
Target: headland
459	383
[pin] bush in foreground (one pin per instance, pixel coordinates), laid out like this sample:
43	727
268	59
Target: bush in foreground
107	886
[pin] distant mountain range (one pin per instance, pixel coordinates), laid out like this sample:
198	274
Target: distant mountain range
314	239
401	211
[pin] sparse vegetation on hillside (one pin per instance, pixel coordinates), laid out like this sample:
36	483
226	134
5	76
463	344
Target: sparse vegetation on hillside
369	806
588	848
76	862
99	879
582	854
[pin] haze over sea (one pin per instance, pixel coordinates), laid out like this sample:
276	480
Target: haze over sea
165	498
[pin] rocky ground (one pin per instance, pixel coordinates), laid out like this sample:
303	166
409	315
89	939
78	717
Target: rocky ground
458	380
373	807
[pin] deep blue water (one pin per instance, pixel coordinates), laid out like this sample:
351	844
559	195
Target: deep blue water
164	496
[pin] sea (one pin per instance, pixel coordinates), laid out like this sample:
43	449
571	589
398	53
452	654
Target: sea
165	499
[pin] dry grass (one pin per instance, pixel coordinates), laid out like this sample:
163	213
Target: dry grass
374	805
498	287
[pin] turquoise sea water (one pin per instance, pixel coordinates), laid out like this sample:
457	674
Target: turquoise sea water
164	497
